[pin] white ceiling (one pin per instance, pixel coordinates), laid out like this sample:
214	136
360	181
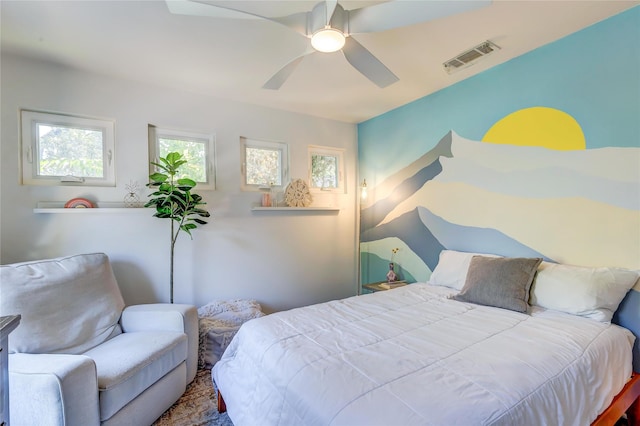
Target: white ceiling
232	59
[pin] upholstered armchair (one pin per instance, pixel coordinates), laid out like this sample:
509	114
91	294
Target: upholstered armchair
80	357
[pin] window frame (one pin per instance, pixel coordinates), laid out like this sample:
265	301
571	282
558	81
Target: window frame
29	147
283	147
207	139
326	151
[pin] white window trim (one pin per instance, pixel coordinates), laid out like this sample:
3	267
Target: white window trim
210	154
29	148
262	144
332	152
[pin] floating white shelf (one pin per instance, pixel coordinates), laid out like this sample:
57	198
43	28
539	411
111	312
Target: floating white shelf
58	207
296	209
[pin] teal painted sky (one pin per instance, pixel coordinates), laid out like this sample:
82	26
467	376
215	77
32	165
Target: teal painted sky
593	75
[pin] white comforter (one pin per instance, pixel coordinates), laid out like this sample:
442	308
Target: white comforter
412	356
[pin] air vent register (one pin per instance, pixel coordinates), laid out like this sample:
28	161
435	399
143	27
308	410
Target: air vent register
470	57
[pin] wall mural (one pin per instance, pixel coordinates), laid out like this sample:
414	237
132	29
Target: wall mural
528	188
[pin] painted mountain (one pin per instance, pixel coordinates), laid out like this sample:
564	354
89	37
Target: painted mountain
579	207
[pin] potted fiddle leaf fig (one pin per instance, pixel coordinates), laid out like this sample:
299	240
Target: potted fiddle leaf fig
172	198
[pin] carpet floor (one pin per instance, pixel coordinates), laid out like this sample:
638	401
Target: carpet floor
197	407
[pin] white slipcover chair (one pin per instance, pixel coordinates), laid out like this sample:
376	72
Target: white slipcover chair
80	357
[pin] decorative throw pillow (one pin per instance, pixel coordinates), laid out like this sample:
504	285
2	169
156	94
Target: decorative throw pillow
500	282
452	268
589	292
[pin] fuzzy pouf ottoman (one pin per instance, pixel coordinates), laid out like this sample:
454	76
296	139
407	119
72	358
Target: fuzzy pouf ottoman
219	322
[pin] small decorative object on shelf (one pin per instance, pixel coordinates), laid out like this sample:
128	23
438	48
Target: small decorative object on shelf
131	199
297	194
274	196
266	199
78	203
391	275
267	196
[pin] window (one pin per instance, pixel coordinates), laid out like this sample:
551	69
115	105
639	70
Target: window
60	149
326	169
197	149
264	164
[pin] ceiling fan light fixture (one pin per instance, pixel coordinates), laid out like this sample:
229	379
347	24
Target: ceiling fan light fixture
328	40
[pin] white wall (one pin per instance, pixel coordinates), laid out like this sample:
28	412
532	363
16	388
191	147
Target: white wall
281	259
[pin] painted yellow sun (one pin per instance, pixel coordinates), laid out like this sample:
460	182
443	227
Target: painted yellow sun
538	126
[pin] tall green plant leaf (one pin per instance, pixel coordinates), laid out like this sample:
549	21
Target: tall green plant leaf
172	199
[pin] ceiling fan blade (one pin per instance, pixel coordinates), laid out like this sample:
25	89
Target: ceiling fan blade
281	76
395	14
367	64
331	7
297	22
202	8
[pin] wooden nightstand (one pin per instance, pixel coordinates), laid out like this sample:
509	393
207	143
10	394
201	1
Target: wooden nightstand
382	285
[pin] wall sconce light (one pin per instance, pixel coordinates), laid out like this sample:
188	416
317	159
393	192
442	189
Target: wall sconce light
363	189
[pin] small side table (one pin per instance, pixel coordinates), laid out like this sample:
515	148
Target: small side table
7	325
381	286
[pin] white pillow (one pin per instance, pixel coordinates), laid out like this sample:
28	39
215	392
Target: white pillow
588	292
451	270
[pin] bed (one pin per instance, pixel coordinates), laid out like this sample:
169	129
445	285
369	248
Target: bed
424	354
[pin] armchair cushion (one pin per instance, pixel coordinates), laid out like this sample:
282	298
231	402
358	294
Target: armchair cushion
166	317
40	290
131	362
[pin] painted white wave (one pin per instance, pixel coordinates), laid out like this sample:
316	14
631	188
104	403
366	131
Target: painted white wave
543	182
612	163
580	221
569	230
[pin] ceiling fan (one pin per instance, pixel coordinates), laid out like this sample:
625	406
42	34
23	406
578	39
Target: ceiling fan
331	28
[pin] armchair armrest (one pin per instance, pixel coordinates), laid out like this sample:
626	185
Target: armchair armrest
53	389
166	317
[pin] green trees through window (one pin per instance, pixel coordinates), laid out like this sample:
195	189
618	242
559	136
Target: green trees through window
196	148
326	169
264	164
263	167
193	151
69	151
62	149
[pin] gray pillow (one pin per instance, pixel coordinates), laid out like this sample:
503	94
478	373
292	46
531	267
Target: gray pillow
500	282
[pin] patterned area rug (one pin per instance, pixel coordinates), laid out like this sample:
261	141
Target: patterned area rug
197	407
